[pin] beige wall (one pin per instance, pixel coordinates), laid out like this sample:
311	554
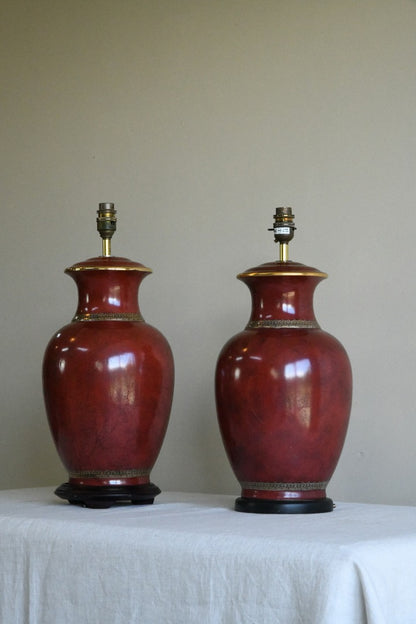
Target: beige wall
198	118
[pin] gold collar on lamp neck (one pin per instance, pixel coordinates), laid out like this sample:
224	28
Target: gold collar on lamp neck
91	267
283	273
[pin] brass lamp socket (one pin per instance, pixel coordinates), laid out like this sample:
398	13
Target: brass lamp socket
106	225
284	230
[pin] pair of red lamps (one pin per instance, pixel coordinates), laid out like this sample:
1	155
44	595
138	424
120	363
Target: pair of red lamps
283	387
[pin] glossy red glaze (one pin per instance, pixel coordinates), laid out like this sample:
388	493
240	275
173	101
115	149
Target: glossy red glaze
283	392
108	379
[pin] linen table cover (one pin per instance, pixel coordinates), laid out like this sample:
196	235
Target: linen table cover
190	558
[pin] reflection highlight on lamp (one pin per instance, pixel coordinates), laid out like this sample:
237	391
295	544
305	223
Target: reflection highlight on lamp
299	369
120	361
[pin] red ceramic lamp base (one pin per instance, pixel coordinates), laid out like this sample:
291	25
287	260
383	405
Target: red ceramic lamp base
264	506
283	390
103	497
108	382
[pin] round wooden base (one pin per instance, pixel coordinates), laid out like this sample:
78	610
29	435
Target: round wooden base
263	506
103	497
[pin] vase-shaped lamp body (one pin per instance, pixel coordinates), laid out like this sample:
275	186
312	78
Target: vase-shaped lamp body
108	383
283	390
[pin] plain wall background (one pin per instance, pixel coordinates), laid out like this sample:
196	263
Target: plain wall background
198	118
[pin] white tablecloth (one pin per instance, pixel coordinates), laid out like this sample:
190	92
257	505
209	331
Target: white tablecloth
190	558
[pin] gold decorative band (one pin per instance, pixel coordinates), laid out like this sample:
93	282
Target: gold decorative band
282	273
282	324
110	474
291	487
76	268
108	316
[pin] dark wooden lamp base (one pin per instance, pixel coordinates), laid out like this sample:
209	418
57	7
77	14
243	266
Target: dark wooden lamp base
256	505
103	497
